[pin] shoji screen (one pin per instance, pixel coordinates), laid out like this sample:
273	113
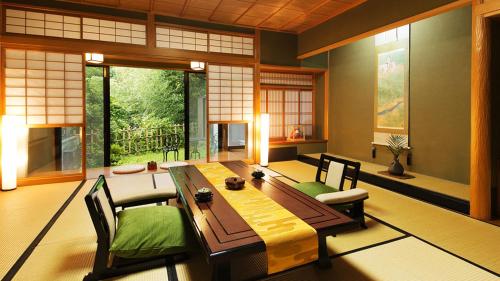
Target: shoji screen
44	87
42	24
176	38
114	31
271	78
275	110
291	108
230	93
306	111
238	45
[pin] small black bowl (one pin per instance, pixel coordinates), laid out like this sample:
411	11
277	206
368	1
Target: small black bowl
258	174
204	195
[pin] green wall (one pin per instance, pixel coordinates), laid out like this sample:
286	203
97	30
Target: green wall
366	17
278	48
440	50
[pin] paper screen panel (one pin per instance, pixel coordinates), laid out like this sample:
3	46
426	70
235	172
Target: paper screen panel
230	44
272	78
275	110
44	87
113	31
42	24
230	93
291	108
177	38
306	111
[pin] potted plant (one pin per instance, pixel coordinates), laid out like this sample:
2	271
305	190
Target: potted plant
396	145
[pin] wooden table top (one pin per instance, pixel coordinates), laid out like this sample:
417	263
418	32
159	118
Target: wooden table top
222	231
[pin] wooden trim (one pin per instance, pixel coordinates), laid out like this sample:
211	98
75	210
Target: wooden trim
275	142
201	29
326	110
50	179
150	31
83	139
286	87
445	8
480	152
73	13
123	51
291	69
489	8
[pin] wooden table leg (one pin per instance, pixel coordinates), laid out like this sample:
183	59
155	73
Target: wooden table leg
323	258
221	271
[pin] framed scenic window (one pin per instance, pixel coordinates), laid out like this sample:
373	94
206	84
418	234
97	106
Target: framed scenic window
392	83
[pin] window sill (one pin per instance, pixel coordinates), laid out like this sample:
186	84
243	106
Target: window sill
297	142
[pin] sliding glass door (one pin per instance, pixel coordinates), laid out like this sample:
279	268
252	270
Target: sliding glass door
196	118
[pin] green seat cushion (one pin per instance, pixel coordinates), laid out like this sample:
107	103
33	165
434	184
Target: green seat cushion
151	231
314	188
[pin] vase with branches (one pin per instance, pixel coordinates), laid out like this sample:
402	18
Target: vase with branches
396	145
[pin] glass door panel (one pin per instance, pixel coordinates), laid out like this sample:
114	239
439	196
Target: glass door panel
94	130
197	116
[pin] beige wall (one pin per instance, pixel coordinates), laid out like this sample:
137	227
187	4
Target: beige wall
439	97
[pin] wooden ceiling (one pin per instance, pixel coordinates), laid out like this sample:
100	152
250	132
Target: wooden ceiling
281	15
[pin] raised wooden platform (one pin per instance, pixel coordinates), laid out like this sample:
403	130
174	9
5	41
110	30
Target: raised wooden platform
440	192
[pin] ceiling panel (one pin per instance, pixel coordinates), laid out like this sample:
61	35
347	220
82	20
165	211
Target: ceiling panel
281	15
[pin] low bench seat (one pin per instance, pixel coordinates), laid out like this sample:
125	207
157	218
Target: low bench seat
138	194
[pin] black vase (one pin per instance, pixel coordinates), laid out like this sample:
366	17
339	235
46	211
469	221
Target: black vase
396	168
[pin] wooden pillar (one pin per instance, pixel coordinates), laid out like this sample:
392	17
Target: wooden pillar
480	160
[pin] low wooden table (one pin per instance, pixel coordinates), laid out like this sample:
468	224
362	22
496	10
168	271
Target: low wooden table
224	235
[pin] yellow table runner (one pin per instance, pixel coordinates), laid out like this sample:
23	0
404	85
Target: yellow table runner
290	242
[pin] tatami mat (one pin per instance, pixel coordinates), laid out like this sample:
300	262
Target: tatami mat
25	212
407	259
472	239
67	250
156	274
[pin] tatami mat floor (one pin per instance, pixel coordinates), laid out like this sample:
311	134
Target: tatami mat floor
381	252
25	212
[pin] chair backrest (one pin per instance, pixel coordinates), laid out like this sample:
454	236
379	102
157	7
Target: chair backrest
102	211
172	141
337	170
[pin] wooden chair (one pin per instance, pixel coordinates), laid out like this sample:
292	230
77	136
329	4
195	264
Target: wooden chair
331	190
117	253
172	144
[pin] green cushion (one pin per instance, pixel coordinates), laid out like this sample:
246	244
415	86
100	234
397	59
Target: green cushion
314	188
151	231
